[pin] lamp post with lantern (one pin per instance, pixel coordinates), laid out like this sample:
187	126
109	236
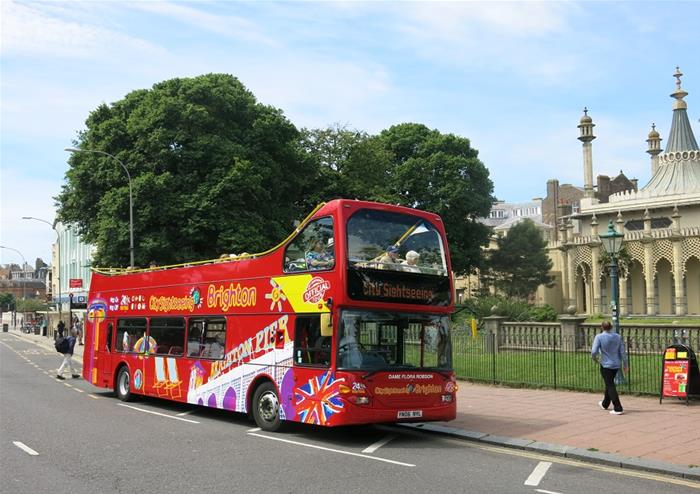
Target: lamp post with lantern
612	242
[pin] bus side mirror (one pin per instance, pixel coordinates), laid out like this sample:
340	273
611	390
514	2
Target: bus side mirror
326	324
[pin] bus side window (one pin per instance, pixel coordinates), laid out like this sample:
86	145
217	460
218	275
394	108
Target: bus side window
310	348
194	337
110	330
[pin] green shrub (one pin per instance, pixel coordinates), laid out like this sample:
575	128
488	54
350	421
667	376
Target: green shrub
545	313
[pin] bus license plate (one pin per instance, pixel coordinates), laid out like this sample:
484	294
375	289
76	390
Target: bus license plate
410	414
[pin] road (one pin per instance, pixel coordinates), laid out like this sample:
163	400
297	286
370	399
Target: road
67	436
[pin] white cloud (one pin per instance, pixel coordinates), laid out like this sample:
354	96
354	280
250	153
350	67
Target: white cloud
40	31
225	25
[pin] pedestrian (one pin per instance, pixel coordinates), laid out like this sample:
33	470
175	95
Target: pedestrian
61	329
68	358
609	351
79	328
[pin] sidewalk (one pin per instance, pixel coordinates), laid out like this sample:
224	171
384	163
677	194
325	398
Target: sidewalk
649	436
655	437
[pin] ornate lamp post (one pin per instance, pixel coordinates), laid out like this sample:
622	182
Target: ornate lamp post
131	200
612	242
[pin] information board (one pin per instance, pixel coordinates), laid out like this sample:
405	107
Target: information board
675	380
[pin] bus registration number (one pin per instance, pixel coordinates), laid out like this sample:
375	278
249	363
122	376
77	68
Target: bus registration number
410	414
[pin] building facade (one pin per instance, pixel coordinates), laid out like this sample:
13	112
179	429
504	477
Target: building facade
660	266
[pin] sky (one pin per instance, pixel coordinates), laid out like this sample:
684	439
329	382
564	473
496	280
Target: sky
511	77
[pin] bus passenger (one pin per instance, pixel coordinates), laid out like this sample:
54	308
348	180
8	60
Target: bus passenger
319	258
410	264
390	258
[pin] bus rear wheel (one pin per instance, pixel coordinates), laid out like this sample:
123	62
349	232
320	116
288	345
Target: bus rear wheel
123	387
266	407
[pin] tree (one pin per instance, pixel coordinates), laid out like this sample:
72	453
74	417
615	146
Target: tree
411	165
520	262
31	305
7	302
213	171
350	163
442	173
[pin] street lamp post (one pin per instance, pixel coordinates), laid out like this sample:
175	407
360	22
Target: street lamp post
24	286
58	262
131	197
612	242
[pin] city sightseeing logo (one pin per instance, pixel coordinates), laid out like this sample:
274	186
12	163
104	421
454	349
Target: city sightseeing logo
316	289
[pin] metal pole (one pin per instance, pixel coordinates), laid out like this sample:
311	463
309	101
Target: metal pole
131	196
58	262
24	261
615	282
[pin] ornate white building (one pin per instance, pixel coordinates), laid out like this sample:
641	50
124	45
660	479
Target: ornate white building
661	226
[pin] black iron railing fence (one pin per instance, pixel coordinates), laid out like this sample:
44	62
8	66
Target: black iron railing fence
545	358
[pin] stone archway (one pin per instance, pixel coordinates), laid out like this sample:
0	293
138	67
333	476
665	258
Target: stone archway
692	285
665	299
583	289
636	289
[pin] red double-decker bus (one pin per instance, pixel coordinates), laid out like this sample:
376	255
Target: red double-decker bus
345	322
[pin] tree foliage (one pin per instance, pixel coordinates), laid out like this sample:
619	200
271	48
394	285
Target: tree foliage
212	171
411	165
520	263
7	301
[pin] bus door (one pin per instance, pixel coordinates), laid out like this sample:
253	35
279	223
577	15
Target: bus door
133	348
105	348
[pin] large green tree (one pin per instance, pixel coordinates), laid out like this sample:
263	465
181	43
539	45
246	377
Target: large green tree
411	165
212	170
443	174
520	262
350	163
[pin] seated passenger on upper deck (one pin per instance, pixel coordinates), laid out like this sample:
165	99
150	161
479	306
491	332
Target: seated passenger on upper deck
390	259
411	262
319	257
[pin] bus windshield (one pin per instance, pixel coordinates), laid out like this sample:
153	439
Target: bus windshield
376	341
395	241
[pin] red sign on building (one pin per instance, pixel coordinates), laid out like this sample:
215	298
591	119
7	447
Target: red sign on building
75	283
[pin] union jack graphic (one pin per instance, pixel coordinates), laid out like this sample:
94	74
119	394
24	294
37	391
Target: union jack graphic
318	399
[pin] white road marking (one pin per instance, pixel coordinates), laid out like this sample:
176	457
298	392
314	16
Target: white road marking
349	453
379	444
25	448
159	414
186	413
546	492
537	474
93	397
78	390
254	430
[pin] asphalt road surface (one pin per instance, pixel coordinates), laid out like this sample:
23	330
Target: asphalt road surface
70	437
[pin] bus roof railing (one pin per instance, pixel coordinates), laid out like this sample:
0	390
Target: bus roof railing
223	258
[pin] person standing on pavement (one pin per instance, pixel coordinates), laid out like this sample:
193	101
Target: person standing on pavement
61	329
68	358
609	351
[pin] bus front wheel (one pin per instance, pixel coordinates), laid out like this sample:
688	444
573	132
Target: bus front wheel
266	407
123	384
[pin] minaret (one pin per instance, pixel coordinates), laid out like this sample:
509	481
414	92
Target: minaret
654	141
586	125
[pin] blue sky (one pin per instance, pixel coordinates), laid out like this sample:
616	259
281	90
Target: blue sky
511	77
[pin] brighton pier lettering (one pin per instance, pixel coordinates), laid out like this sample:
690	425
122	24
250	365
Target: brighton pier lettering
261	343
